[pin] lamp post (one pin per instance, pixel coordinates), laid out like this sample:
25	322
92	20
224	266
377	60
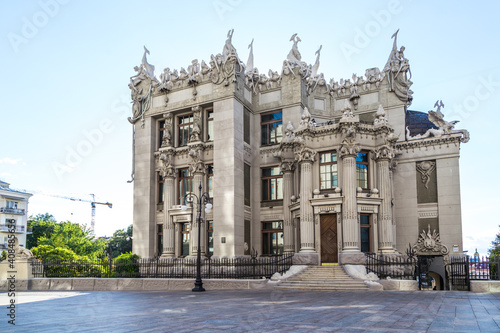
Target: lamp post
201	199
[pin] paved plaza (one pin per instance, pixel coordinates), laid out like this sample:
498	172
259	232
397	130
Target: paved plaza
252	311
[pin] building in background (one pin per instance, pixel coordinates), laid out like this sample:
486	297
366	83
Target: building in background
293	163
13	214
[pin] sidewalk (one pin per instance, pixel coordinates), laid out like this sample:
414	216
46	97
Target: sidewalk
252	311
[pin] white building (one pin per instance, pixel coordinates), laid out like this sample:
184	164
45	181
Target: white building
13	214
293	163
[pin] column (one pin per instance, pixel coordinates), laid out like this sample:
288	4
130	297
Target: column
306	157
168	225
197	168
350	225
385	237
168	172
287	169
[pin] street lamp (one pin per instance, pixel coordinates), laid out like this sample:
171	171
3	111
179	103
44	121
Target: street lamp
201	199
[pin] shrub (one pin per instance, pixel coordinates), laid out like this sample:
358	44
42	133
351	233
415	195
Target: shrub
126	265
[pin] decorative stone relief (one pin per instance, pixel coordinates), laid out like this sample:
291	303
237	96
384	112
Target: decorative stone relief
196	131
444	127
141	94
384	152
305	154
380	118
349	146
287	166
430	243
166	140
196	165
399	74
165	165
426	168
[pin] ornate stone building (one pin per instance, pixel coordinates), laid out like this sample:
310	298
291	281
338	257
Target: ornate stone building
292	163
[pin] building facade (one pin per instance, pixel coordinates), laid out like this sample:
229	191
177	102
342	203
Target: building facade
292	163
13	215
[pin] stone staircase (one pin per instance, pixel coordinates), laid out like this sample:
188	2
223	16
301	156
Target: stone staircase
322	278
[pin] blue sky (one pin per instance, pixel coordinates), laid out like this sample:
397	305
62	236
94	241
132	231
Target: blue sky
66	66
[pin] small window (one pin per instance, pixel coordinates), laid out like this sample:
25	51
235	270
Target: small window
161	130
272	184
210	237
246	126
161	189
271	128
328	170
246	186
185	236
210	125
210	181
362	170
365	234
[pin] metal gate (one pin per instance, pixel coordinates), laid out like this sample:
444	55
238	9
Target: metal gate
423	278
458	273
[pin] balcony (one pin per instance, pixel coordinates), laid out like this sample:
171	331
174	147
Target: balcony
16	228
7	210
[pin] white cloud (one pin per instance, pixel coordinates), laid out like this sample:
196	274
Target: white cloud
8	160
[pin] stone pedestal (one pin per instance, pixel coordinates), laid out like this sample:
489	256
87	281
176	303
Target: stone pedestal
21	269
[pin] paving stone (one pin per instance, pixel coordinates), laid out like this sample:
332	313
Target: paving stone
258	310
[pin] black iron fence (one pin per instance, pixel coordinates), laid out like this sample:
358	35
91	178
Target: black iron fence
211	268
484	268
392	266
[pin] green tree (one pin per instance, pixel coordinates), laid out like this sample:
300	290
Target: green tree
121	242
42	225
495	246
50	236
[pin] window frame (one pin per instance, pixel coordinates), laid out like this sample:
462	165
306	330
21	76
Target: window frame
210	178
330	172
266	124
369	227
181	141
161	131
270	178
278	232
367	163
161	189
181	195
209	123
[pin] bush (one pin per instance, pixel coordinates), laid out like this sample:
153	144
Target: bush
126	265
3	256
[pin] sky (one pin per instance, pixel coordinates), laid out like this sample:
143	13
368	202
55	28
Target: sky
67	64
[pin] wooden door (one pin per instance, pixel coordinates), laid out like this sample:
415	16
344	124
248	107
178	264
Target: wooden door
328	231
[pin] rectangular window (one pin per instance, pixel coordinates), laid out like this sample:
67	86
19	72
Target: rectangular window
184	128
11	204
160	239
161	189
246	126
362	170
272	184
328	170
271	126
210	237
365	234
186	227
246	186
161	130
185	184
210	181
210	125
272	238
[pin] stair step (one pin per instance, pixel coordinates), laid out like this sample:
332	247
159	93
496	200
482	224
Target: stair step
323	278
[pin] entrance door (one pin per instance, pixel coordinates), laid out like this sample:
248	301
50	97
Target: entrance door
328	231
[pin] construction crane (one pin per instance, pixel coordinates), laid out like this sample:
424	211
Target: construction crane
93	204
